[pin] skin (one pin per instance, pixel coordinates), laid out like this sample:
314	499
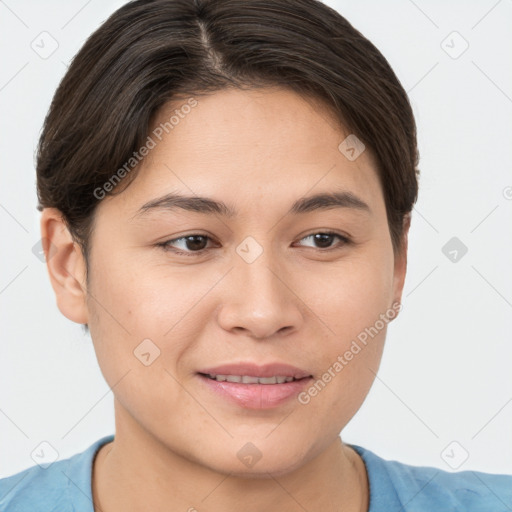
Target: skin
176	443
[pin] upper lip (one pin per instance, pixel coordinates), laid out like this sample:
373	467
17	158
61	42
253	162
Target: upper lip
255	370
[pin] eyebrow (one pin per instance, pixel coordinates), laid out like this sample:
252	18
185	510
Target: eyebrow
206	205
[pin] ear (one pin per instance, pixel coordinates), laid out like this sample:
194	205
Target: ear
65	265
400	268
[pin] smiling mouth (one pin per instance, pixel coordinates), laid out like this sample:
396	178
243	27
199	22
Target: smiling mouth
249	379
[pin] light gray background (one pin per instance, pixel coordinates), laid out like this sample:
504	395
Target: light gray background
445	375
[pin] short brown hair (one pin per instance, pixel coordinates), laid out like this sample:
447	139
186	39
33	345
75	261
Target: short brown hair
150	52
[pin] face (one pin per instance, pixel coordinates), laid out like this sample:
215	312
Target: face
175	291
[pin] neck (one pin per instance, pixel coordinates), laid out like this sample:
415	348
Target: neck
137	472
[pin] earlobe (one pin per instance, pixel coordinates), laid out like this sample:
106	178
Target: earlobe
65	265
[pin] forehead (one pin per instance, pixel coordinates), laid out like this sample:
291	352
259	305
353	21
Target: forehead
265	144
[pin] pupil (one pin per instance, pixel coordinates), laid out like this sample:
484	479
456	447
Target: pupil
323	239
192	242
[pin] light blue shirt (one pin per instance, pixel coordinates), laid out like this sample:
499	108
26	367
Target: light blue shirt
65	486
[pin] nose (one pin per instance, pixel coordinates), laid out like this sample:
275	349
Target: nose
259	300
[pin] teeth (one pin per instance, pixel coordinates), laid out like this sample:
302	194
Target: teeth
248	379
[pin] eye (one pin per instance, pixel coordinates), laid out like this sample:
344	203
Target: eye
324	240
194	243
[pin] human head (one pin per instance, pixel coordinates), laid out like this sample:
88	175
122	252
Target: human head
153	58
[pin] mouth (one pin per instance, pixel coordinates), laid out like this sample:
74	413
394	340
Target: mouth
250	392
251	379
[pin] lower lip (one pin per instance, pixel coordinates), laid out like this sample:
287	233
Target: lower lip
257	396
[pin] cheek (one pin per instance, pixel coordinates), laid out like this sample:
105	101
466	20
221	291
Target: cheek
146	298
140	309
353	305
349	297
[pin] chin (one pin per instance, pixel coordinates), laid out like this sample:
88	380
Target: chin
263	468
261	471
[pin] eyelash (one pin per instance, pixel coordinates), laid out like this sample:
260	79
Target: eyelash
166	247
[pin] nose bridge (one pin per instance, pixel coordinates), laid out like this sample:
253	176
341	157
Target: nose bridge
257	276
259	282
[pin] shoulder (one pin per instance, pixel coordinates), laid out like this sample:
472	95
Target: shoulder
63	486
423	488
